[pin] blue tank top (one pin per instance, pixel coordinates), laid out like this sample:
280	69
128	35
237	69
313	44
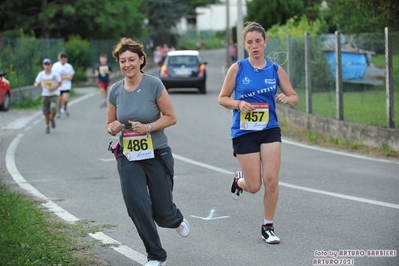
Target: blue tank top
257	87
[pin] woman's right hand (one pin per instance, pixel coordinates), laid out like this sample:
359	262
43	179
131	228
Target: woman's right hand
245	107
115	127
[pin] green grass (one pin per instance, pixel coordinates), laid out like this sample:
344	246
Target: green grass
360	106
29	236
34	103
366	107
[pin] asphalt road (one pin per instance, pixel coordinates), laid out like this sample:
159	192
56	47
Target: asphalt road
334	207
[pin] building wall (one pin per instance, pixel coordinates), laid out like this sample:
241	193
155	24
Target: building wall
213	17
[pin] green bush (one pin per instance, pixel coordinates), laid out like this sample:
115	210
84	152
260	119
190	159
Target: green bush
78	51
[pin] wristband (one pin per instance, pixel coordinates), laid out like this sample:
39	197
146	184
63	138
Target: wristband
150	126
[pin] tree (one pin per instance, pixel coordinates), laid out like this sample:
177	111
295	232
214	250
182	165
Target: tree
382	10
345	16
274	12
90	19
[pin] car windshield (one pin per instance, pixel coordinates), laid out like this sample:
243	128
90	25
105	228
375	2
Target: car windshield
182	60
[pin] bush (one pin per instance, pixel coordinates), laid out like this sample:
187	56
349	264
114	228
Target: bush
78	51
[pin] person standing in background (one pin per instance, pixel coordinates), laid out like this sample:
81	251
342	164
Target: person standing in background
158	56
233	53
103	70
50	82
66	71
255	131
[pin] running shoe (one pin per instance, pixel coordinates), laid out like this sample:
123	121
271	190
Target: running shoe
52	122
235	189
268	234
183	229
58	114
66	112
155	263
47	130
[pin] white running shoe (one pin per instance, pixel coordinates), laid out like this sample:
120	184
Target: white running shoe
268	234
155	263
184	228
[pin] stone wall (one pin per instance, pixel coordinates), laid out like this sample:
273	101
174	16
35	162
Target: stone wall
373	136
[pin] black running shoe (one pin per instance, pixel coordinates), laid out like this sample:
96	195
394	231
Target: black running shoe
235	189
268	234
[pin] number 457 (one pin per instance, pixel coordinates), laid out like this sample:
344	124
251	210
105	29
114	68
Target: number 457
254	116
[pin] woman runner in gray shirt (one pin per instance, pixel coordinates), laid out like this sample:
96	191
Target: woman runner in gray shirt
139	108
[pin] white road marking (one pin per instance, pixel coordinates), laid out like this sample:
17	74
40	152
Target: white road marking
107	159
339	152
337	195
50	205
123	249
210	216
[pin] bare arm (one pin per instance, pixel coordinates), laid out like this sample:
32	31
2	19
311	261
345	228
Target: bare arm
228	86
289	95
113	126
227	90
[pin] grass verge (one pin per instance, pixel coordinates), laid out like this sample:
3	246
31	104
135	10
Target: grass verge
31	236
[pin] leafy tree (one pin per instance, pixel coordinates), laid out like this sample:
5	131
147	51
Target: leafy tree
164	14
90	19
382	10
312	9
274	12
347	17
297	27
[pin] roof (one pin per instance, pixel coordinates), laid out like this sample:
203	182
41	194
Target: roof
183	52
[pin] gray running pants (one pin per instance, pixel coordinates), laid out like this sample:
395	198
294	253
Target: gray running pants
147	191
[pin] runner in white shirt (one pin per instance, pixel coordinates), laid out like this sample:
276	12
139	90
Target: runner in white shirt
66	71
50	82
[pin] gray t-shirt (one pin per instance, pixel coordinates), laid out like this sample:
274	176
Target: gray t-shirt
139	105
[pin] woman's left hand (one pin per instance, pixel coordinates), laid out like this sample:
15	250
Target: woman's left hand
139	127
282	98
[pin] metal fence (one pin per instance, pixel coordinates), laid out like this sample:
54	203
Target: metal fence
369	98
22	58
346	77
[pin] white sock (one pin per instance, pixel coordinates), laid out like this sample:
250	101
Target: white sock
267	221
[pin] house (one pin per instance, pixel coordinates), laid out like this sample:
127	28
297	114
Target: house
213	17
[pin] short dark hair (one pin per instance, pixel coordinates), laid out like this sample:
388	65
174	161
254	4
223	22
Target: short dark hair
62	55
127	44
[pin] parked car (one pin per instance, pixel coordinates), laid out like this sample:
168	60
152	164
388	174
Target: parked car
184	69
5	92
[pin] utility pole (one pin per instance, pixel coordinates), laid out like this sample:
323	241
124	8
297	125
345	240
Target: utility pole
227	33
240	23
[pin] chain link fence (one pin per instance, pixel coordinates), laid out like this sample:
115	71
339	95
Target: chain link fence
309	62
22	58
311	65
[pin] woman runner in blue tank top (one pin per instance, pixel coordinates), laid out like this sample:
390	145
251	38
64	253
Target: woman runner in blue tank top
255	131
